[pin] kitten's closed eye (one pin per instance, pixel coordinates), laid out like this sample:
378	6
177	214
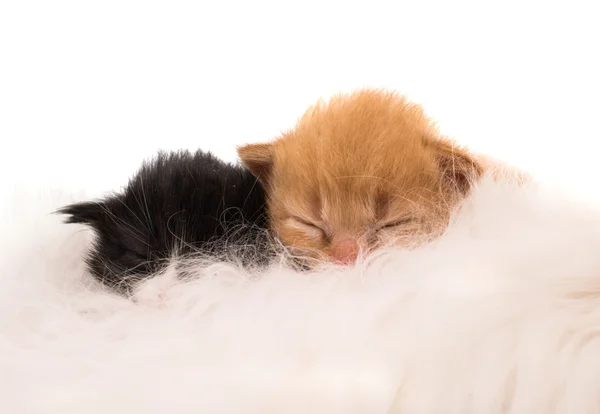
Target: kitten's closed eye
310	228
396	223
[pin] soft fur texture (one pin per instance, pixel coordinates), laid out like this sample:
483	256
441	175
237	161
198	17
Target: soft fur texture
359	172
177	204
499	315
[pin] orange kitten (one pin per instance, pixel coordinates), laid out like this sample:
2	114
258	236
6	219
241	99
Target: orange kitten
359	172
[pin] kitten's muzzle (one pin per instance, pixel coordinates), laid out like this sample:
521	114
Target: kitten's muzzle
345	252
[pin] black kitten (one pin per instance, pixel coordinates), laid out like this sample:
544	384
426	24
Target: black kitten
176	205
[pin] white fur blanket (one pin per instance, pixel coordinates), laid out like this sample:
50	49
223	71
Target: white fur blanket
501	315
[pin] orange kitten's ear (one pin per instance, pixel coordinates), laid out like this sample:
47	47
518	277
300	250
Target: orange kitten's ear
258	159
459	169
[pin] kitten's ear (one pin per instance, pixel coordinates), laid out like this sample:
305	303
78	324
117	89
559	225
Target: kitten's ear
258	159
90	213
459	169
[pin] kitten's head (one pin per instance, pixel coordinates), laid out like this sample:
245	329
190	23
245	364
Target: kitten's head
359	172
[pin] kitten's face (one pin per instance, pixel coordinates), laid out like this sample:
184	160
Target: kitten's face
363	171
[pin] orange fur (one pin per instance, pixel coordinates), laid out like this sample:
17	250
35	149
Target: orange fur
368	168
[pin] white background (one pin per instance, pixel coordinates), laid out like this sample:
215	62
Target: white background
90	88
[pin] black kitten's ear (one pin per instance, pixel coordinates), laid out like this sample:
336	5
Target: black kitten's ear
258	159
84	213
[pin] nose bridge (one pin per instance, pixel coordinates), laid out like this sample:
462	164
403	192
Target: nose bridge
347	212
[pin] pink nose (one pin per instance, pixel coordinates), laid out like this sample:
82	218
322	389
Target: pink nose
345	252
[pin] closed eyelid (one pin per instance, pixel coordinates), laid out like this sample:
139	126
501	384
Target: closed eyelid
312	223
397	222
304	221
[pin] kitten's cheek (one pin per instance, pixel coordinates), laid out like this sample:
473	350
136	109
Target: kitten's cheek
384	239
300	245
391	238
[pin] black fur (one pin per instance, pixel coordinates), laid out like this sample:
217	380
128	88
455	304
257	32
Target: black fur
178	204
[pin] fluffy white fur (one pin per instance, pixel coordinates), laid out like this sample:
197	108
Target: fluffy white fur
501	315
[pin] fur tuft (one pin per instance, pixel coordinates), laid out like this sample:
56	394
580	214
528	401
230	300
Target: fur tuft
83	213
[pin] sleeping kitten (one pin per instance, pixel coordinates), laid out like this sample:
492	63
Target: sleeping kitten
178	204
359	172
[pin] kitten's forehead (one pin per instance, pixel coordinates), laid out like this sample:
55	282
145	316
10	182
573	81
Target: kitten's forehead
358	189
369	135
345	202
317	173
